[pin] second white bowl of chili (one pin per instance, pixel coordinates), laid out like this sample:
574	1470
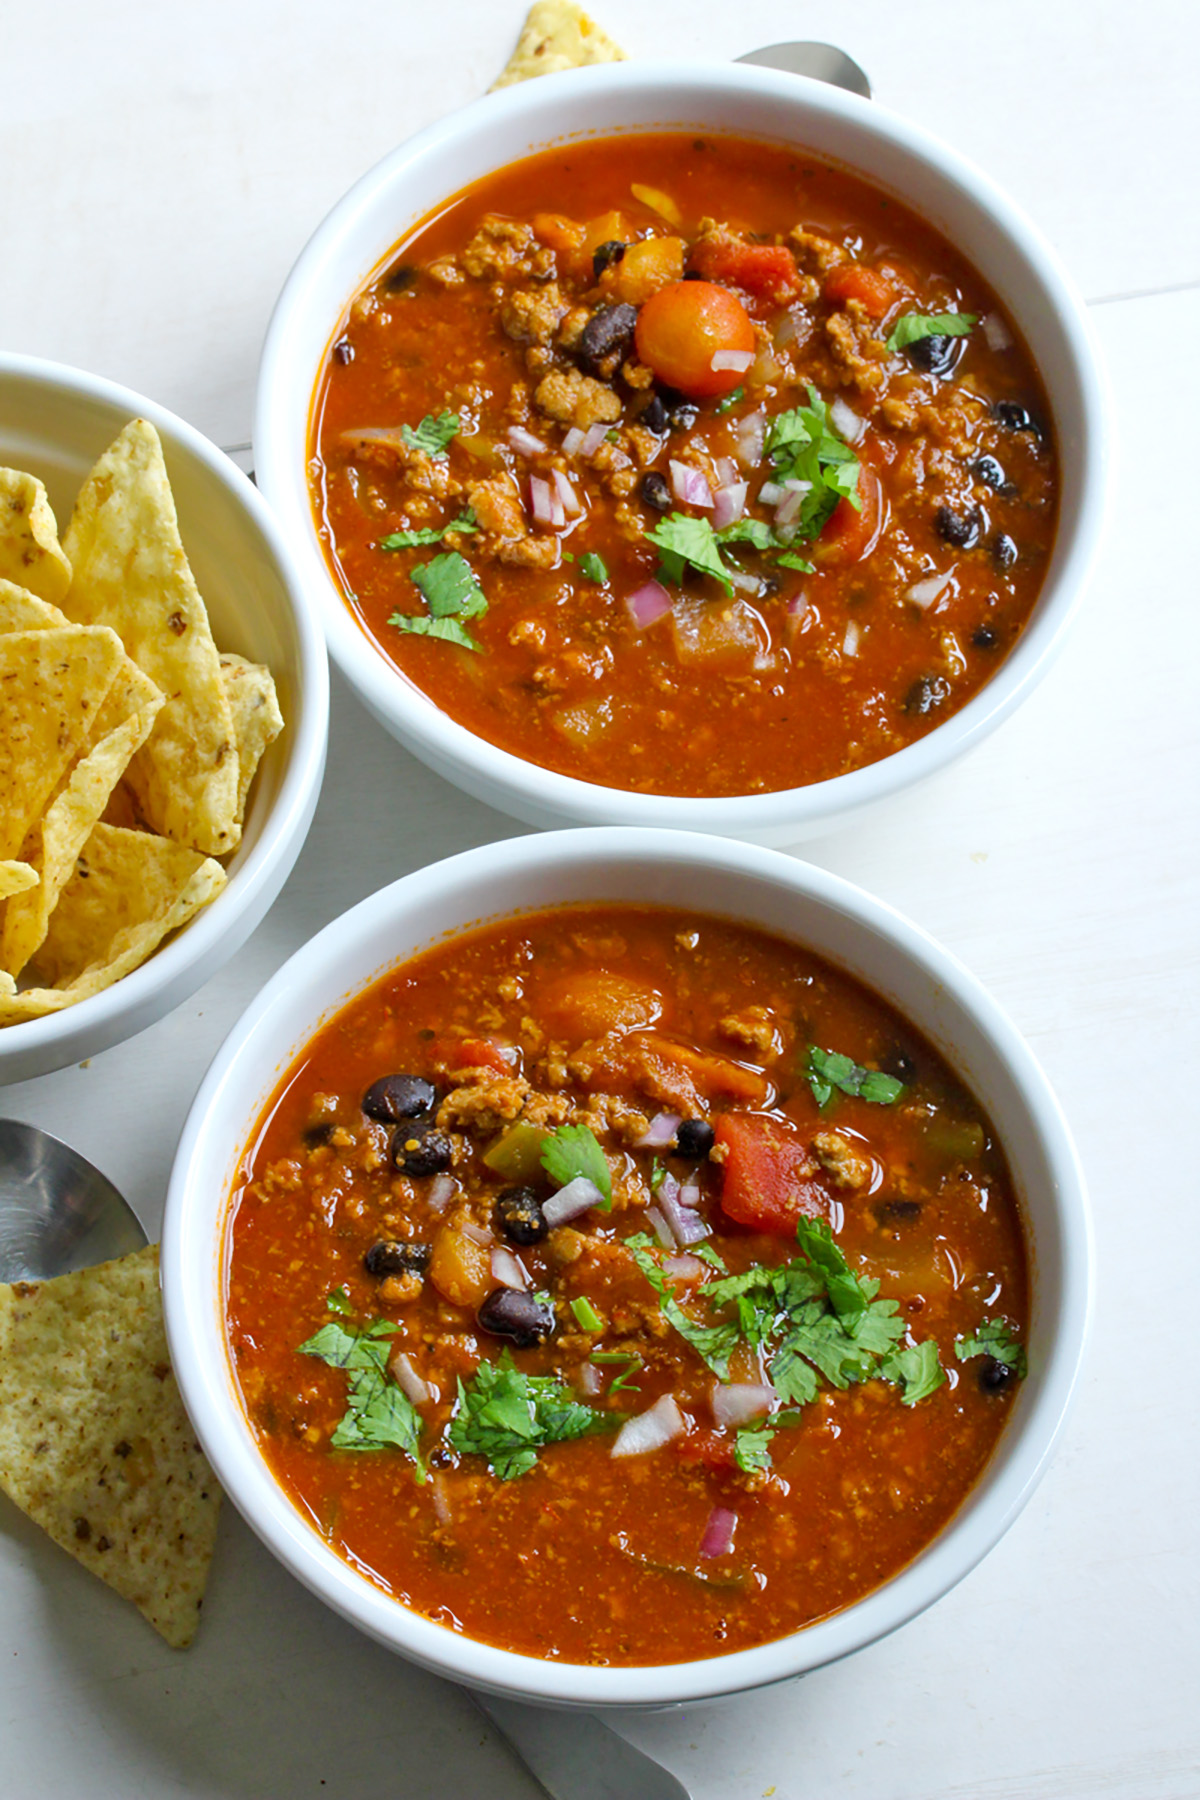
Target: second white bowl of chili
733	475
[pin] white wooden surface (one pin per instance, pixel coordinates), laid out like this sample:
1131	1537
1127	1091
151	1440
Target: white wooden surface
162	167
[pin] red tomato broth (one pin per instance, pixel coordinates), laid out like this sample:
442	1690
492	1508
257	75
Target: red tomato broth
588	1557
799	681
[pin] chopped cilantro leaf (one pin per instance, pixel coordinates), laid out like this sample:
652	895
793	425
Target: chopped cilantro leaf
792	1378
586	1316
829	1069
379	1415
752	1448
994	1339
432	434
755	532
911	326
918	1367
707	1254
593	567
681	540
790	560
639	1247
449	587
429	534
339	1301
730	400
574	1150
804	446
508	1417
714	1344
449	630
821	1338
847	1295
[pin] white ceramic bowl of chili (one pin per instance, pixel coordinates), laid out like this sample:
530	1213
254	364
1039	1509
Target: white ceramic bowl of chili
961	201
780	894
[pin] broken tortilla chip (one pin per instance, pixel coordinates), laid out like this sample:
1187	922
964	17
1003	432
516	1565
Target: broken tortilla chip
130	571
21	610
95	1446
257	720
556	35
30	553
16	878
128	890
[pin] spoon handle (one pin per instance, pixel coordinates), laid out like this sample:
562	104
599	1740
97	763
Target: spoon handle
576	1757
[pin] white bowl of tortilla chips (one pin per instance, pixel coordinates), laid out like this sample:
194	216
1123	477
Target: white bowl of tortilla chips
163	713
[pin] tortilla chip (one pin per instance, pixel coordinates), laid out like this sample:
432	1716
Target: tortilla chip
257	720
131	572
95	1446
128	890
30	553
556	35
21	610
52	685
16	878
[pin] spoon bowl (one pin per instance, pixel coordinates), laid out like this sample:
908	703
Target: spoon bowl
57	1211
820	62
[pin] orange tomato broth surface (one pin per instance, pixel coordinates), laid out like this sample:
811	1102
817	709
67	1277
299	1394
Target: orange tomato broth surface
787	677
592	1557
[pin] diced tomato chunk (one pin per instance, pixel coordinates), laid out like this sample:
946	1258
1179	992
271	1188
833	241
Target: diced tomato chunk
851	281
768	1175
712	1448
850	532
479	1053
767	270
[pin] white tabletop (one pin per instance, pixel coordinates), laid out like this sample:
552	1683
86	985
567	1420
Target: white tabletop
162	168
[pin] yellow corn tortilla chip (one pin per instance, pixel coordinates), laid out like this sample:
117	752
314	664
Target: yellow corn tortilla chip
95	1446
257	720
128	890
556	35
21	610
16	878
30	553
52	685
130	571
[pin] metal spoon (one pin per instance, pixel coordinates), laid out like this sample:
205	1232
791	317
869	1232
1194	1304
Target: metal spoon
59	1213
820	62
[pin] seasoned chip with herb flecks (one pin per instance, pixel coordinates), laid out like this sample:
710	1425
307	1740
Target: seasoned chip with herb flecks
30	553
557	35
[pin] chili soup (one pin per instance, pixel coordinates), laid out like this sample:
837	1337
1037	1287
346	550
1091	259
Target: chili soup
622	1285
685	465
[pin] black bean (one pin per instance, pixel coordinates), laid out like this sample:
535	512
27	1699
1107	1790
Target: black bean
420	1153
400	277
695	1138
926	694
655	492
343	351
1013	417
898	1209
684	416
994	1375
510	1313
604	255
960	529
990	472
654	415
519	1215
937	355
391	1257
693	275
984	638
396	1097
608	333
316	1135
899	1064
1004	551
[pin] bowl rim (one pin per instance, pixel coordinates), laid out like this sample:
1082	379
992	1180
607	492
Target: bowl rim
543	795
191	954
261	1047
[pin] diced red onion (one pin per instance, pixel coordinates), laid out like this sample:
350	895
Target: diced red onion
998	336
663	1126
407	1378
524	441
683	1222
852	638
731	359
736	1402
718	1533
651	1429
573	440
439	1499
689	1194
846	421
795	324
507	1270
924	593
729	503
750	435
745	584
478	1234
648	603
688	485
789	507
442	1190
662	1230
772	492
591	1381
570	499
570	1201
544	503
684	1268
797	606
392	435
727	470
593	437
